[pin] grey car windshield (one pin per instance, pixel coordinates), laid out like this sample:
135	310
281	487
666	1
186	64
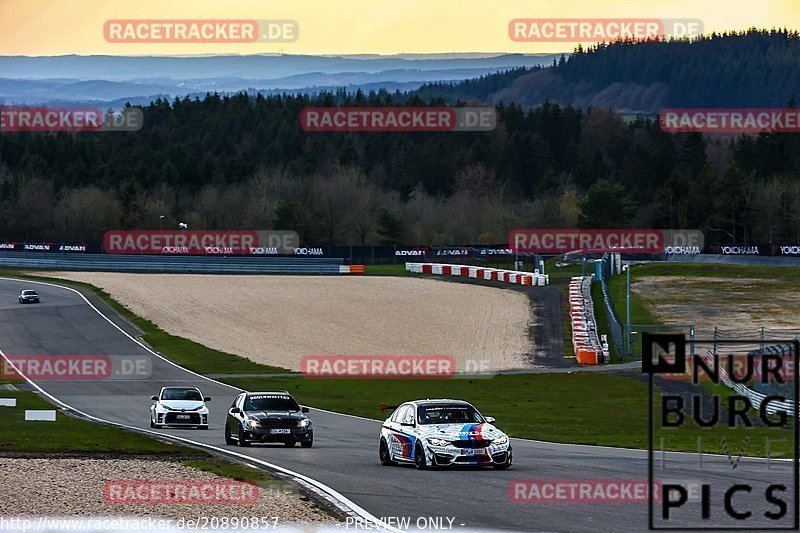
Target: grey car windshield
448	414
182	394
29	293
270	402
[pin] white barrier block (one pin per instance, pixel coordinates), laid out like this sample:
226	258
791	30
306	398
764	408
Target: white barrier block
8	402
40	414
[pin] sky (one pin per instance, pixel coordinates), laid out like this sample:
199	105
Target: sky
58	27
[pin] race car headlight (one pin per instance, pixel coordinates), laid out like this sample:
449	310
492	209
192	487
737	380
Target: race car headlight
304	423
501	440
252	423
438	442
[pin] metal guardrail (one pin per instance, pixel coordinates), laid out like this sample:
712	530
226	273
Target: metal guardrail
614	325
182	264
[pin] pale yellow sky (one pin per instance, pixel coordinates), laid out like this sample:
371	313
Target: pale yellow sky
56	27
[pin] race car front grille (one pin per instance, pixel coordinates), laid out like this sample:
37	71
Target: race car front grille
471	444
279	423
172	418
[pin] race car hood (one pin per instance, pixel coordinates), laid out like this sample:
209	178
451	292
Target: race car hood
264	415
182	404
460	431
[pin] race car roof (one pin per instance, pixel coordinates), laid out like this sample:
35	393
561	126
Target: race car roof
439	401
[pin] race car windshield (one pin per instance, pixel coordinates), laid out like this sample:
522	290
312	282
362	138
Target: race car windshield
449	414
28	293
270	403
182	394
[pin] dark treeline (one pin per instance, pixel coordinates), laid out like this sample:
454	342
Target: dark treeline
753	68
245	162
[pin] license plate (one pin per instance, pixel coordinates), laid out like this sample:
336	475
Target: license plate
182	417
477	451
280	431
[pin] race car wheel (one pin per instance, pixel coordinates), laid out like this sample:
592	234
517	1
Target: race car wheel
151	423
202	427
419	457
242	441
228	438
307	443
384	455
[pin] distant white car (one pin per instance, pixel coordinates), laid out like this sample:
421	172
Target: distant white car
179	407
442	433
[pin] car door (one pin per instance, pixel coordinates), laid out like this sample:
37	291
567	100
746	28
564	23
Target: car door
405	434
233	419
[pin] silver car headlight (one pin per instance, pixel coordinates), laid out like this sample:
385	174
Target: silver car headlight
501	440
304	423
438	442
252	423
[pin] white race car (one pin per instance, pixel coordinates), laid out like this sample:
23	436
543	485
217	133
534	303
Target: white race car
179	406
442	433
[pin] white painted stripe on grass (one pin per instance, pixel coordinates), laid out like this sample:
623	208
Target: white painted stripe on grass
8	402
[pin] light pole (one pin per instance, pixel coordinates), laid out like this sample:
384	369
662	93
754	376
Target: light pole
627	269
161	222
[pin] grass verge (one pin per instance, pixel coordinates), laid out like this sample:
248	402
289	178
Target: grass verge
185	352
72	435
580	408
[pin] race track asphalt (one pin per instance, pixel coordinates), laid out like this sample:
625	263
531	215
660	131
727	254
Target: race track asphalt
344	455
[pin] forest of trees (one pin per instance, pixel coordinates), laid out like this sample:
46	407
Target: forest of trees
242	161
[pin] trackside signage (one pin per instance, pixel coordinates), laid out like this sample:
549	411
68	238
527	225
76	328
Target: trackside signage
643	241
378	366
750	410
201	242
179	492
589	491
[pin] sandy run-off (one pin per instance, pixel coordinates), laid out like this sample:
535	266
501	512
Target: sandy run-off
277	320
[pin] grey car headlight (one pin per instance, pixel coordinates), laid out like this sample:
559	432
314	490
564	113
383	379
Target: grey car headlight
252	423
501	440
304	423
438	442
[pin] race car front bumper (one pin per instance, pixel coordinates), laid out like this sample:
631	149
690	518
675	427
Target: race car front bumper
298	434
178	419
451	455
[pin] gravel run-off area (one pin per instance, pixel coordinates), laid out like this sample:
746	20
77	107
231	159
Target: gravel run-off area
61	487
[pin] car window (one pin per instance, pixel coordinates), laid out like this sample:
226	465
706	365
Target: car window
398	412
236	400
449	414
181	394
270	402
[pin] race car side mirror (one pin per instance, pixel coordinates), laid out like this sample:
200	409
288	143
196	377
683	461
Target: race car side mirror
207	399
154	398
491	419
304	409
235	410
